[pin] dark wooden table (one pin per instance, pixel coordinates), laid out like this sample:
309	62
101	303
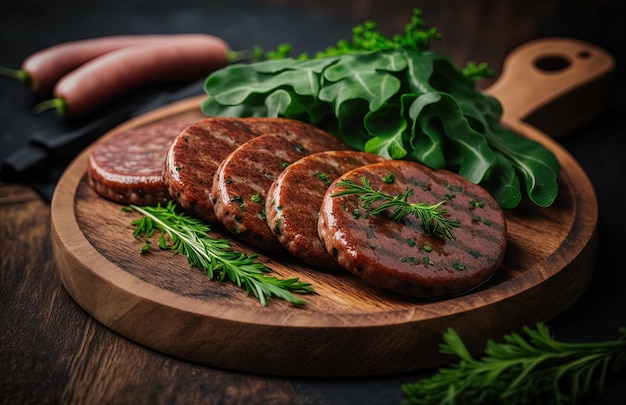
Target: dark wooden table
51	351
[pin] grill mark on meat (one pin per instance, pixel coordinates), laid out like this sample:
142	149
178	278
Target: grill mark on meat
127	167
294	200
243	178
196	153
399	255
194	156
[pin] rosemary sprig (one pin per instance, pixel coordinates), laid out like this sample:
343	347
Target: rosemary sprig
432	216
189	236
521	371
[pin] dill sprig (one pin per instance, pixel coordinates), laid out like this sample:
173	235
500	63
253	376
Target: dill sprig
535	370
188	236
432	216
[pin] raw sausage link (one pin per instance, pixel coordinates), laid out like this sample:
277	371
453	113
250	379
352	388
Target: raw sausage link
113	74
45	67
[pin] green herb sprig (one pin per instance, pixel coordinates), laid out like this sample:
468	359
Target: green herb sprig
365	37
188	236
432	216
473	71
521	371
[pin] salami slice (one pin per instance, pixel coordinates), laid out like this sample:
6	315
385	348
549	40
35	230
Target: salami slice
127	167
398	255
294	200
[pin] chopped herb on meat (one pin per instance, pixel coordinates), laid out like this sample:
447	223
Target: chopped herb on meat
389	178
322	177
433	217
256	198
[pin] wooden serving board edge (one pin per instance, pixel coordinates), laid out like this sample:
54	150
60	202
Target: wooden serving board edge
77	263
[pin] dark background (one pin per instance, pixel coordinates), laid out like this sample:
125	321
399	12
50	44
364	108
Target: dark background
472	31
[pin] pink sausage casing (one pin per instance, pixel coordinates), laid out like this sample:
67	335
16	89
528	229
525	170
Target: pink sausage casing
47	66
107	77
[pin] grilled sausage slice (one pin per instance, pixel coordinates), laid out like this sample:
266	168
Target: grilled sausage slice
196	153
244	177
127	168
398	255
194	156
294	199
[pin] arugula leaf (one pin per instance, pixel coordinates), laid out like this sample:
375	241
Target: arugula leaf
240	82
362	76
537	165
394	97
475	157
504	184
391	131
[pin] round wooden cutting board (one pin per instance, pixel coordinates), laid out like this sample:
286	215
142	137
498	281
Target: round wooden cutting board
346	328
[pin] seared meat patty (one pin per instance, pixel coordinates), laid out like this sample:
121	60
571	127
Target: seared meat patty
244	177
127	167
399	255
193	158
295	197
196	153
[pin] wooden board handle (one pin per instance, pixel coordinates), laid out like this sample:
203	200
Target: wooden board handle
555	84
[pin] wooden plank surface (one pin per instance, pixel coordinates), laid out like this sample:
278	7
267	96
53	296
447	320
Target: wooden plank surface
347	328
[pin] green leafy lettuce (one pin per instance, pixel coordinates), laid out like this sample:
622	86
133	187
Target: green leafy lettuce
395	98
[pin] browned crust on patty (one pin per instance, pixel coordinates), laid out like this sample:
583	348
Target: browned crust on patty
193	158
244	177
399	255
295	197
127	167
197	152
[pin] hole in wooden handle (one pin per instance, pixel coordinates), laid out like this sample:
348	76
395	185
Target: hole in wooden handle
552	63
